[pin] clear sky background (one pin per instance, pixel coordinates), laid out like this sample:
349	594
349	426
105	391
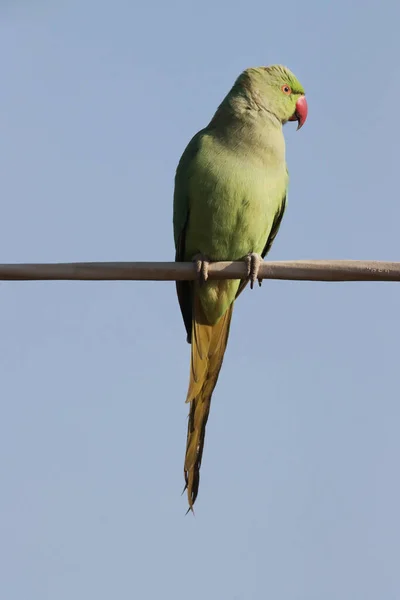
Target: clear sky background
300	492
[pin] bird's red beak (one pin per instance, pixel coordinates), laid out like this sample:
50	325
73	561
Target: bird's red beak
300	114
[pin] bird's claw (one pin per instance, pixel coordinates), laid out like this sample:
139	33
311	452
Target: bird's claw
202	264
253	262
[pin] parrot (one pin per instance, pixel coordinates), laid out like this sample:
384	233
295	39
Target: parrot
230	192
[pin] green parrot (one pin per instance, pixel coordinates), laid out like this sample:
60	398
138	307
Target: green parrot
229	199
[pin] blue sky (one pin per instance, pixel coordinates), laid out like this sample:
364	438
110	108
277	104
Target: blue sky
300	489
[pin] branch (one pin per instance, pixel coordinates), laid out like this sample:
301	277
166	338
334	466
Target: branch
306	270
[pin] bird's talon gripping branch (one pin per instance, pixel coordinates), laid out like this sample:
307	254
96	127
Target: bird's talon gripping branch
202	264
253	262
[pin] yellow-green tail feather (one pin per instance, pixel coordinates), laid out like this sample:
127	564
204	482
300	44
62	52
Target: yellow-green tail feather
207	353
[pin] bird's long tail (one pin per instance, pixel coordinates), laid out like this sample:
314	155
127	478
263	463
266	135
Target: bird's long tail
207	353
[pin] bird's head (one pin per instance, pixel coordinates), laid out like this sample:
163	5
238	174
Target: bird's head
278	91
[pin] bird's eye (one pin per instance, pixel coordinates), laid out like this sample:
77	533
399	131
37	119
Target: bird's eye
286	89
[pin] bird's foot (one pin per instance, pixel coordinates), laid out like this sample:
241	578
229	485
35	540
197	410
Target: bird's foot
202	263
253	262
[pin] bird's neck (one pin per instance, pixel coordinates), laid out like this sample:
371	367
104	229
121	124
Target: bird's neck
245	122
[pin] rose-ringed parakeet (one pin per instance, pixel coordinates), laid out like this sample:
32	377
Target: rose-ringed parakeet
229	199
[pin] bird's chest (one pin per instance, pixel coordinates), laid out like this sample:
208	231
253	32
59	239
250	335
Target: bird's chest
236	209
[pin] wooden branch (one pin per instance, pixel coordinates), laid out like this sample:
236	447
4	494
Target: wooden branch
306	270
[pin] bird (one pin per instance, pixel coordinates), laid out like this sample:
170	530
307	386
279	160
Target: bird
230	195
